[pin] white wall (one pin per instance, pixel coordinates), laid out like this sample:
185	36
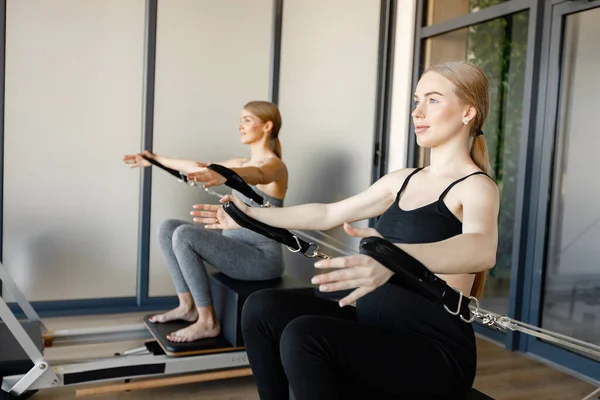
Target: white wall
73	95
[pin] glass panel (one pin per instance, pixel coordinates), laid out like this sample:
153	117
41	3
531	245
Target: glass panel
74	73
444	10
499	47
205	72
572	281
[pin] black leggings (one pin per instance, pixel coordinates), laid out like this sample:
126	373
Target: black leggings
320	351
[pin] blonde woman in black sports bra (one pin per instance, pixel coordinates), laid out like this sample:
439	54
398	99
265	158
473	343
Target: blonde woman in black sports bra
395	344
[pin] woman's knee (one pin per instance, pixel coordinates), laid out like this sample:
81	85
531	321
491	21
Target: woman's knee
167	228
262	306
185	234
300	338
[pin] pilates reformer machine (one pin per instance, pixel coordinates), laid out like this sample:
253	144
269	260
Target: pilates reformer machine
25	370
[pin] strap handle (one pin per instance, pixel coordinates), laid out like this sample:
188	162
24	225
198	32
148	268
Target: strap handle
413	275
236	182
283	236
171	171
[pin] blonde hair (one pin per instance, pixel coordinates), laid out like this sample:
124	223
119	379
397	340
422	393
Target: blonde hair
472	88
267	111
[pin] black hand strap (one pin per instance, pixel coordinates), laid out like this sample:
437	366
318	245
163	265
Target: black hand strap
236	182
412	275
171	171
280	235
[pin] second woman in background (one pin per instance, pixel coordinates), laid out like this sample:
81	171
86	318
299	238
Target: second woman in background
240	254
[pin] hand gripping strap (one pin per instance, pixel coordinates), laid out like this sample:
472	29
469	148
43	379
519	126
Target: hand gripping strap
280	235
412	275
171	171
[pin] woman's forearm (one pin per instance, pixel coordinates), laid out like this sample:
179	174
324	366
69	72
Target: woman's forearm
181	165
462	254
312	216
252	175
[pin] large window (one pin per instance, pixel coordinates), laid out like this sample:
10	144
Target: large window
541	58
499	47
572	287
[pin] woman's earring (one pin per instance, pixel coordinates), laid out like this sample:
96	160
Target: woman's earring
465	121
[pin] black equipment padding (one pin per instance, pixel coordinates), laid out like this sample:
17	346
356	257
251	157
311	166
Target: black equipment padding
475	394
412	274
13	359
278	234
154	348
126	372
202	346
171	171
229	296
7	396
236	182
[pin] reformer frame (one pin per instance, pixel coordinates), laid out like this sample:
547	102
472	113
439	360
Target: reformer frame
131	364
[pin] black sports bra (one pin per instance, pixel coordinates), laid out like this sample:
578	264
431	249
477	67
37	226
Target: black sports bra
430	223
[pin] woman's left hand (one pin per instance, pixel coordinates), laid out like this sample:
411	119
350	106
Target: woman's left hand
208	176
358	272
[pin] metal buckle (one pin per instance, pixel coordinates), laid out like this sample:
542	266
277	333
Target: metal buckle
459	303
295	250
316	252
182	178
473	309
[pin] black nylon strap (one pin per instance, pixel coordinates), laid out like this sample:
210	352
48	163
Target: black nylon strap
236	182
413	275
280	235
171	171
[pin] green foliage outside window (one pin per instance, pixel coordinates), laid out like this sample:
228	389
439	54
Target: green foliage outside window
500	48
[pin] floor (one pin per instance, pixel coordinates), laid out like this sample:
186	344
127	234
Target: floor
501	374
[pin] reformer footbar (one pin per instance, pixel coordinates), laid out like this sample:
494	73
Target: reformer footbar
416	277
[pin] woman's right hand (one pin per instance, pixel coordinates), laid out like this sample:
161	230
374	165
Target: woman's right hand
136	160
213	217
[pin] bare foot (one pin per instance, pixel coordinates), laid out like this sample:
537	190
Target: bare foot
198	330
179	313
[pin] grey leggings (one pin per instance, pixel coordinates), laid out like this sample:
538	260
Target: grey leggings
186	247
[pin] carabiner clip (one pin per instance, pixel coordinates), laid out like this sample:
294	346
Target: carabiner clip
316	253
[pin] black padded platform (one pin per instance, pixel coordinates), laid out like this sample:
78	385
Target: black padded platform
230	294
475	394
203	346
